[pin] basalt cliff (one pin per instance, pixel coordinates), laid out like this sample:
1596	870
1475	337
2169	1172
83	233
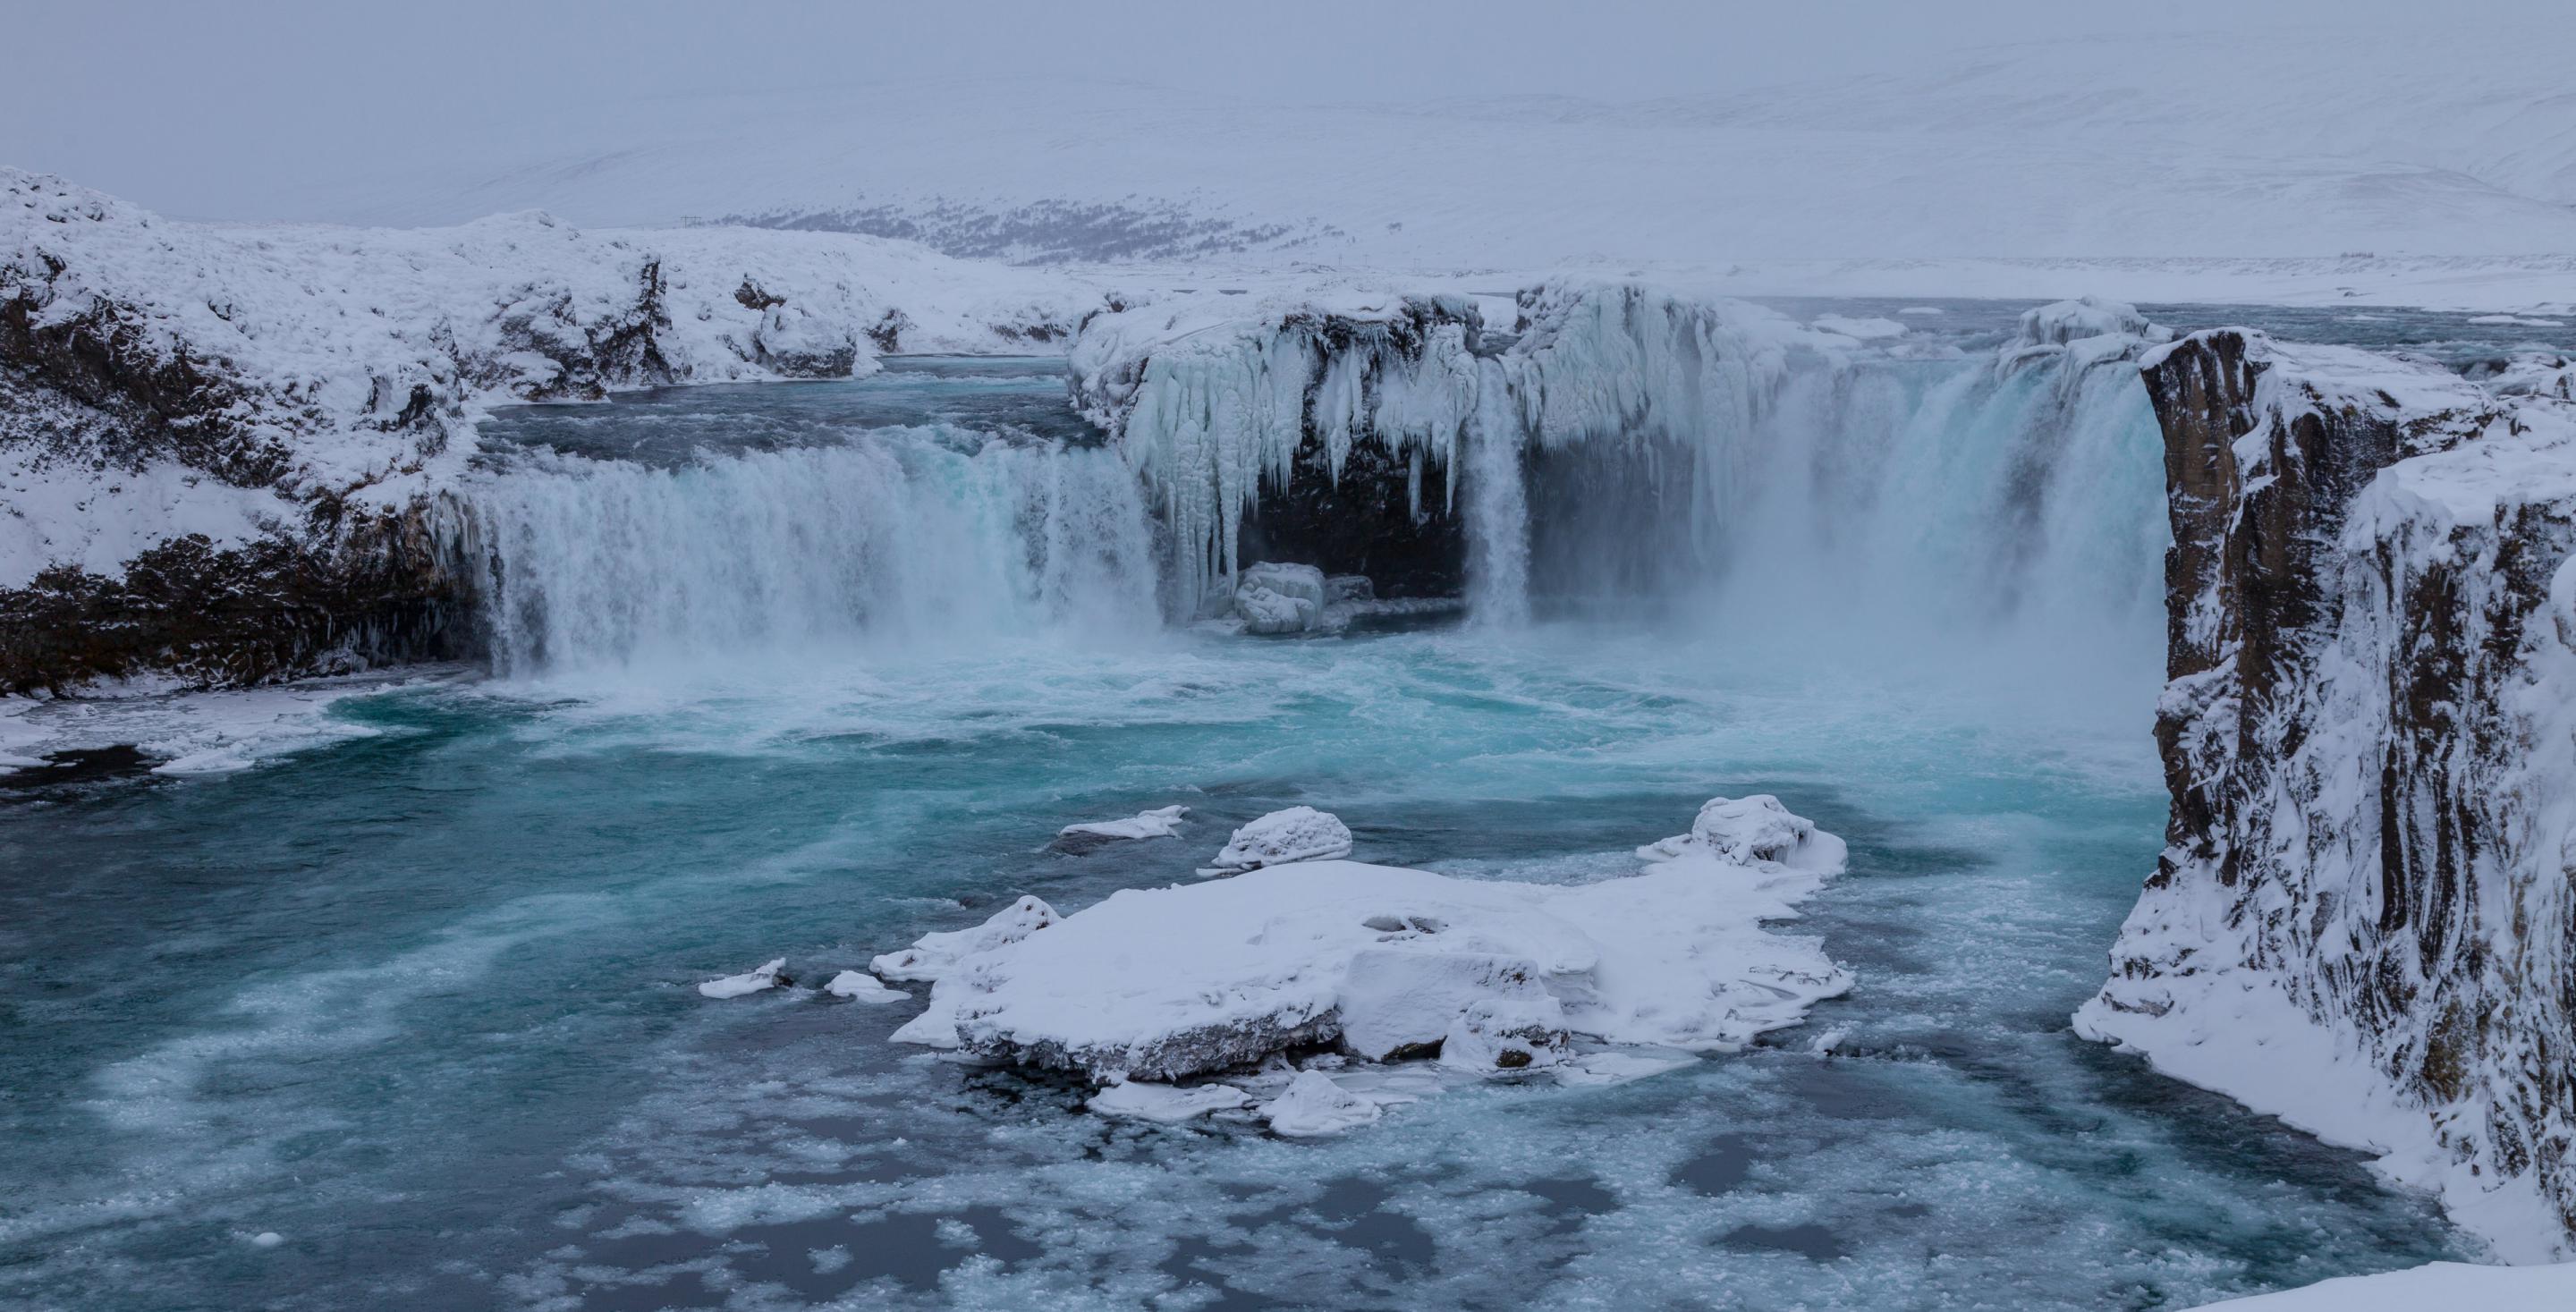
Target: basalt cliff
2364	918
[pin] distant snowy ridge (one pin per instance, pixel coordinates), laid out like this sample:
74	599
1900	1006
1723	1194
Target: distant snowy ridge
2362	920
287	395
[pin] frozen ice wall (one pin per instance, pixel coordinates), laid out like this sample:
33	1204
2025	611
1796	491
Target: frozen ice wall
1616	447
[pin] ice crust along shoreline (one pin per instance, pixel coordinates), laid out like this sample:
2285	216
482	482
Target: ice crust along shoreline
1384	963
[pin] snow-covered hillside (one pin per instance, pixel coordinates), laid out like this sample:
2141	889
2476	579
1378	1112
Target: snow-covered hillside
2306	145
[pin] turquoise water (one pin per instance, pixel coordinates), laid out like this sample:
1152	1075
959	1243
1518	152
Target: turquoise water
418	997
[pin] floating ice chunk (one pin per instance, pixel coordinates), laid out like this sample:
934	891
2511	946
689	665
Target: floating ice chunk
860	986
1300	833
1162	822
1754	830
1313	1105
1165	1103
750	981
932	955
267	1239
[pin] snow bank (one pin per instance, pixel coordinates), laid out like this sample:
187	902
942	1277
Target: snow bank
748	982
1300	833
1388	963
2431	1288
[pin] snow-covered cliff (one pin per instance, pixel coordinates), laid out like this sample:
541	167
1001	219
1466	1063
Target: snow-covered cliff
2365	917
213	438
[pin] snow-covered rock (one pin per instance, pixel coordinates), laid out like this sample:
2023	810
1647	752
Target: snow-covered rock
1388	963
2436	1287
860	986
1274	598
1300	833
768	976
1313	1105
2361	921
932	956
1751	830
1090	836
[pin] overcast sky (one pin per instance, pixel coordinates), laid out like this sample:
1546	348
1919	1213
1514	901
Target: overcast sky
210	109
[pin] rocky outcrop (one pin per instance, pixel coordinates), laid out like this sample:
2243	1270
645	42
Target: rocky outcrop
2364	918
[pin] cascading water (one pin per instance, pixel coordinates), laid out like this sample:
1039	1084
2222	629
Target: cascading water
918	537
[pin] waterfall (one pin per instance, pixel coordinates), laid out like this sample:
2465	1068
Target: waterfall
1497	495
911	537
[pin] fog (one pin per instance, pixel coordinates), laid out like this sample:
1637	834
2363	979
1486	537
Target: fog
241	110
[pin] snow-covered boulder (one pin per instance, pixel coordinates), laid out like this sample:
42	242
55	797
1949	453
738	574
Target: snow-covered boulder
1751	830
1389	963
768	976
1312	1105
1273	598
860	986
1092	835
932	956
1266	612
1300	833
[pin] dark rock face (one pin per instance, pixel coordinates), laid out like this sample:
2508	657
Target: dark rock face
227	617
1378	518
2367	740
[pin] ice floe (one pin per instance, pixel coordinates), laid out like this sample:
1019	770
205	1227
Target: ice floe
860	986
750	981
1381	963
1300	833
1166	1103
1161	822
1314	1105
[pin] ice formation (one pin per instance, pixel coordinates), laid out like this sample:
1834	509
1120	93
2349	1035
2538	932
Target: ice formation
1384	963
1165	1103
860	986
1313	1105
933	956
1161	822
750	981
1300	833
2361	920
